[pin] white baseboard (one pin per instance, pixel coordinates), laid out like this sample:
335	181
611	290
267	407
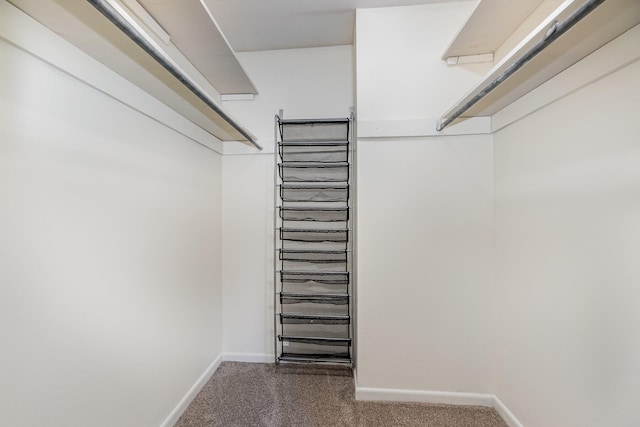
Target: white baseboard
505	413
362	393
446	397
191	394
248	357
424	396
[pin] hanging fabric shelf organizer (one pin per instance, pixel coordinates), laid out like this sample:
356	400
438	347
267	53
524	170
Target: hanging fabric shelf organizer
313	237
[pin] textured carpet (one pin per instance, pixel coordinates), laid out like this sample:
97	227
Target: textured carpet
257	394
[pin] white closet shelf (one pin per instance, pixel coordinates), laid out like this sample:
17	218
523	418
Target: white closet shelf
607	21
143	53
490	24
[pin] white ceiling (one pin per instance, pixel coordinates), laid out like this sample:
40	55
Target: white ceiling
251	25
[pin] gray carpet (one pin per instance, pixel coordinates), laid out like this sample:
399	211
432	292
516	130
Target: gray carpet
258	394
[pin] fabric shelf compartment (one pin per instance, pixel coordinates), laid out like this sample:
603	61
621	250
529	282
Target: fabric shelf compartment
311	287
314	349
327	152
314	131
313	267
314	256
314	236
333	299
315	358
314	309
337	342
305	260
310	277
315	330
314	214
314	172
296	318
313	193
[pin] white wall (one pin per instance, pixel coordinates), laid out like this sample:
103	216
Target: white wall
132	257
110	261
247	257
567	242
424	264
424	214
306	83
401	75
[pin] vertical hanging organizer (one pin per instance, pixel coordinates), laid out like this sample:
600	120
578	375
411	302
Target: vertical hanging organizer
313	241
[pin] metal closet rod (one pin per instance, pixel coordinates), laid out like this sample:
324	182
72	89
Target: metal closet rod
552	34
112	15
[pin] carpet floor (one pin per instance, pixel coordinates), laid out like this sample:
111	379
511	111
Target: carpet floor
259	394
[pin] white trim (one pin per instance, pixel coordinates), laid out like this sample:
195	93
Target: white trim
232	148
172	418
505	413
420	128
424	396
248	357
443	397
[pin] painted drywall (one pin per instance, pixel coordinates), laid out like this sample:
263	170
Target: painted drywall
424	213
110	261
567	238
424	264
400	73
316	82
306	83
247	257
